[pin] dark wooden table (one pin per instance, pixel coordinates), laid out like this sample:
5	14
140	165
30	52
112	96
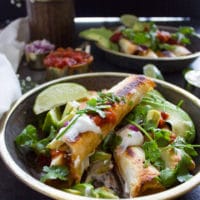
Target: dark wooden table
13	189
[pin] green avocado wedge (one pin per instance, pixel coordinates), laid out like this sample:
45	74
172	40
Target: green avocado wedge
100	35
178	119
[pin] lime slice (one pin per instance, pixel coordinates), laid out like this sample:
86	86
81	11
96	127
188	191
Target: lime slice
152	71
57	95
128	20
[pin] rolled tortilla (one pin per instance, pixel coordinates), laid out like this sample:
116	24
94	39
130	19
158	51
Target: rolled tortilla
130	161
139	179
79	145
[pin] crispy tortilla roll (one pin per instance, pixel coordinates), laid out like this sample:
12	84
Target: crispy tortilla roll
139	179
130	160
87	131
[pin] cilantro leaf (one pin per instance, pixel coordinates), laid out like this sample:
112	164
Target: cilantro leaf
165	46
152	152
183	167
167	177
186	30
181	38
95	110
108	98
142	38
102	102
180	143
54	173
138	114
161	136
26	140
129	33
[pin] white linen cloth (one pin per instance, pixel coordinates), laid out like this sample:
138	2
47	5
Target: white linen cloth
10	89
12	42
13	39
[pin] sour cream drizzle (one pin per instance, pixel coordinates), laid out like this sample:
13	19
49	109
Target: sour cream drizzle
82	124
130	137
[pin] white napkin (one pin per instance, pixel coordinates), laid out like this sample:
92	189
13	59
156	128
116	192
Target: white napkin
12	41
10	89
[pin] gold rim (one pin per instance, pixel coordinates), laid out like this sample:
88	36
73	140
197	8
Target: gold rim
58	194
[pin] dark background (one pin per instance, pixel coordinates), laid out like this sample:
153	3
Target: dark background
85	8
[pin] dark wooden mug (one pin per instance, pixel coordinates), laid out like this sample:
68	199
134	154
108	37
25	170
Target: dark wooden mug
52	20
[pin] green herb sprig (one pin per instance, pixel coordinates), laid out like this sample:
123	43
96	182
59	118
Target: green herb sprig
28	140
161	142
144	33
100	104
54	173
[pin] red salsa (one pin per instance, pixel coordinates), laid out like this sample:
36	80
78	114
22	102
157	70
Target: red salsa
61	58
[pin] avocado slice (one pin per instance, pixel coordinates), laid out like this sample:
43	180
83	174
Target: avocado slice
101	35
180	121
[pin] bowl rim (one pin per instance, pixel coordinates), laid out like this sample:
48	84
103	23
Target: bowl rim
49	191
161	59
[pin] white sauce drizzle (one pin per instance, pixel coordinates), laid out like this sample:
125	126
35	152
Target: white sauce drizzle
130	137
83	124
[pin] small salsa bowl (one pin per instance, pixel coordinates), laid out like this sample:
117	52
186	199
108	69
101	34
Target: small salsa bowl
63	62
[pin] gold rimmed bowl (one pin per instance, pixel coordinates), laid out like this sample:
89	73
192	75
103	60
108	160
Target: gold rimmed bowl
22	114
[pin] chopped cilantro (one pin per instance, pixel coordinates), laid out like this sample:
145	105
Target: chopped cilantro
54	173
161	136
28	140
186	30
167	177
152	152
180	143
99	104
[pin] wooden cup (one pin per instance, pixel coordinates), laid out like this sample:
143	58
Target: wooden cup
52	20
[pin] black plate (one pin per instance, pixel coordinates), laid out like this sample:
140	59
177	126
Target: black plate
136	63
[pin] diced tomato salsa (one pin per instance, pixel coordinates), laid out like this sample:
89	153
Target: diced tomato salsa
68	57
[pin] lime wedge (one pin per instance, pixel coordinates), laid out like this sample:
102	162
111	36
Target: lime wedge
128	20
57	95
152	71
